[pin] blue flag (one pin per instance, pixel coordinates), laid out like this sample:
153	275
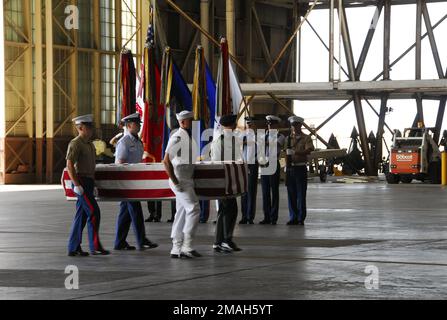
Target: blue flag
181	99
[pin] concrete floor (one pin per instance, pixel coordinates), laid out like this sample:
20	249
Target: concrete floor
400	230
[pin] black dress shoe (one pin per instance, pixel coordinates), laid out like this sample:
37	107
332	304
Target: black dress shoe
101	252
150	219
220	249
250	222
264	222
148	245
243	221
292	223
301	223
274	223
125	247
175	256
78	253
157	220
170	221
233	246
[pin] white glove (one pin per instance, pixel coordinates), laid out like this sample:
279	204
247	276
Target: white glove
290	152
79	190
178	188
95	192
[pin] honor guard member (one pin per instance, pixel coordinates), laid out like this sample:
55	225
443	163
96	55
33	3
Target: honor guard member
180	169
130	150
270	183
298	147
222	149
248	201
81	164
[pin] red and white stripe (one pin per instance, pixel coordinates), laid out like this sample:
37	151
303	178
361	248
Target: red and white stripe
142	182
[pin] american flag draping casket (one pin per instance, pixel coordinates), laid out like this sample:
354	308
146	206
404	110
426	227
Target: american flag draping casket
141	182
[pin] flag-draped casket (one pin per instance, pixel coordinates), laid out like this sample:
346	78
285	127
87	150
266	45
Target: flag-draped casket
141	182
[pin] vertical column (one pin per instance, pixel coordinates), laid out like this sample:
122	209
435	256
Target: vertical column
205	24
331	40
248	41
386	76
50	88
297	51
97	65
357	99
231	25
118	32
28	60
74	70
144	18
38	44
2	99
420	111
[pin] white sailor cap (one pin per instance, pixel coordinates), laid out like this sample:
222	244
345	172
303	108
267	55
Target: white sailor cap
135	117
272	118
83	119
296	119
185	115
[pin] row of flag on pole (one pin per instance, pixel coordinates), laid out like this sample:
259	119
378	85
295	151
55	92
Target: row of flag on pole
161	93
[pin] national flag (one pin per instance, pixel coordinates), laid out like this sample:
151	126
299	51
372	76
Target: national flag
126	84
153	111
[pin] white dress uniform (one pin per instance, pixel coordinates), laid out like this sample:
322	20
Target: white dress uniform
180	149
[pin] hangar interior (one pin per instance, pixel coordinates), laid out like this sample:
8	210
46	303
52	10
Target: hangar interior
50	74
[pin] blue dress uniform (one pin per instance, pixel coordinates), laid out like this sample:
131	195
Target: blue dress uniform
81	152
296	175
270	183
248	200
130	150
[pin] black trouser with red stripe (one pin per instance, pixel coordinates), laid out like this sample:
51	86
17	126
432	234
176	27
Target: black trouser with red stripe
87	211
226	220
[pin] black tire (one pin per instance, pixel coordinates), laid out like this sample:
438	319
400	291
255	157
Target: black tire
406	179
392	178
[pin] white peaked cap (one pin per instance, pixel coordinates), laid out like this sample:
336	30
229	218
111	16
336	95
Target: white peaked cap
185	115
296	119
83	119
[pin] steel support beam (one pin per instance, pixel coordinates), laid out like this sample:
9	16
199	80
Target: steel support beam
49	90
386	76
2	98
248	36
440	119
437	24
264	45
74	70
39	87
369	170
28	59
368	41
418	39
97	65
433	44
331	40
329	50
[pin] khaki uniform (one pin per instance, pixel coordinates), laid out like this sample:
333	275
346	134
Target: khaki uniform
83	154
301	143
296	176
